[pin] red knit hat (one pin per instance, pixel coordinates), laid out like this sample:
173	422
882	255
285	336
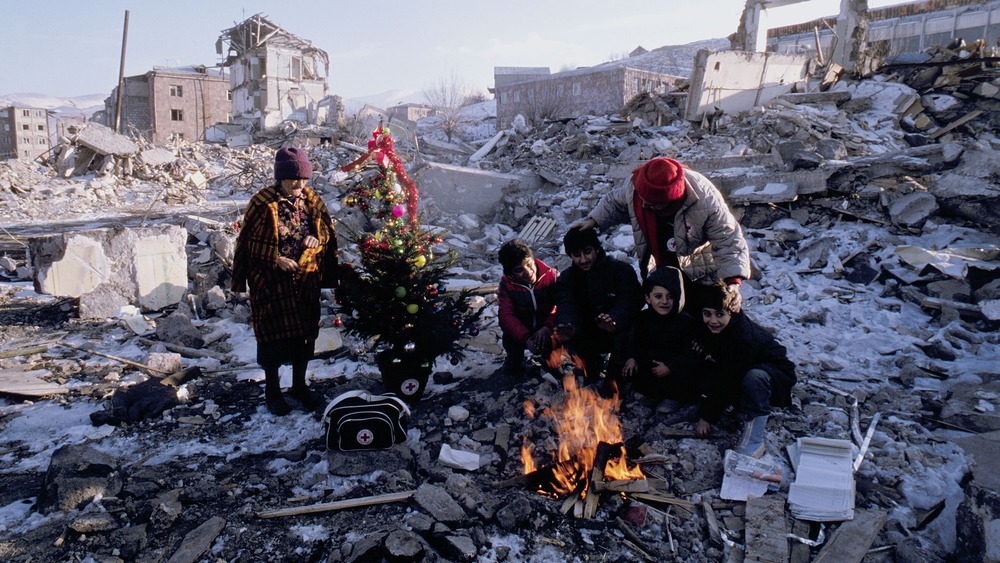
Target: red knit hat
291	163
661	180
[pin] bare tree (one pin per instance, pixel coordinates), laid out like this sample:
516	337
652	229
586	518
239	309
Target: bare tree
448	97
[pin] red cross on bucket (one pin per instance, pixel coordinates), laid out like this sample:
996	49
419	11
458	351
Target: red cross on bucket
410	386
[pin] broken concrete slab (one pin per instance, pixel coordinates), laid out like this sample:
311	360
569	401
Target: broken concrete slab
913	209
28	383
735	81
829	97
157	156
468	190
69	265
146	266
103	140
768	193
974	407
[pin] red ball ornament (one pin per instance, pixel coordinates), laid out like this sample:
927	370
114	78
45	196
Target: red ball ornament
454	360
338	322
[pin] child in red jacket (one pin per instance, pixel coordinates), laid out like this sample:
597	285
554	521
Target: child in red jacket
527	304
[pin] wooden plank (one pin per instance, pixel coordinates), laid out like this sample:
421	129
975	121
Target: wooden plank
337	505
958	122
24	351
852	539
766	530
714	531
28	383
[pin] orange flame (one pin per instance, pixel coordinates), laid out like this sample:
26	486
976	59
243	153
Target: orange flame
584	420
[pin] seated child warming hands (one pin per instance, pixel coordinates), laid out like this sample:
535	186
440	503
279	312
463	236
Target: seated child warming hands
743	365
526	304
661	362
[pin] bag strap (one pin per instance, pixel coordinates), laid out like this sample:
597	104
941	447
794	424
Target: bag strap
368	397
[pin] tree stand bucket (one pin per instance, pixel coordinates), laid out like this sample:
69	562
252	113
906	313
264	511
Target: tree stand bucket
406	377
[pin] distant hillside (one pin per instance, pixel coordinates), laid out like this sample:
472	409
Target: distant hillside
677	60
87	104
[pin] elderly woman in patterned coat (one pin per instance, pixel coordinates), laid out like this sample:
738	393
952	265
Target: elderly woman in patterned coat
286	238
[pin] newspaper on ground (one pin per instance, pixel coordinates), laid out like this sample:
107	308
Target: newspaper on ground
746	476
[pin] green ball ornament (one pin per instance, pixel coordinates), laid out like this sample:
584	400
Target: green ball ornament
412	308
400	292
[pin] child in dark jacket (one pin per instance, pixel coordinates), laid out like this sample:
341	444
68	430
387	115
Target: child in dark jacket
744	365
597	300
527	304
661	363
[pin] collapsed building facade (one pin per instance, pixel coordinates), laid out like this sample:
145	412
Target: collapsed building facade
275	76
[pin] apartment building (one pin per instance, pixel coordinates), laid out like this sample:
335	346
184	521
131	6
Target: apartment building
169	104
24	132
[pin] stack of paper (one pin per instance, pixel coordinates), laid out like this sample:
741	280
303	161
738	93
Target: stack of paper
823	490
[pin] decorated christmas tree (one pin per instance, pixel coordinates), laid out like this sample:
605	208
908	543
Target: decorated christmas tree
399	301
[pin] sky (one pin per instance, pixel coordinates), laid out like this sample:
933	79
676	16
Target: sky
70	49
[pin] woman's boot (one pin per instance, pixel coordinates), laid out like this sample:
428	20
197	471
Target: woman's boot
272	393
311	400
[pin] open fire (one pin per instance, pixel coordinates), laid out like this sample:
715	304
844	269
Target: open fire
590	437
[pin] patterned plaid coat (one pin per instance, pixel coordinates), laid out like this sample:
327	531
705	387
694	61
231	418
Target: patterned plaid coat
283	305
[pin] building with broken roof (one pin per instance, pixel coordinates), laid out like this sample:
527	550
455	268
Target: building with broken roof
24	132
536	94
275	76
169	104
902	28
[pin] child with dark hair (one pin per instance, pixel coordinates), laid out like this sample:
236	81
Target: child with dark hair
661	365
597	301
745	366
527	303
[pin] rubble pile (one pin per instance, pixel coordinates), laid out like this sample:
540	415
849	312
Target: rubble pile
877	263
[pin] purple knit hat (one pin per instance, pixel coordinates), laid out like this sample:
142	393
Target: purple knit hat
291	163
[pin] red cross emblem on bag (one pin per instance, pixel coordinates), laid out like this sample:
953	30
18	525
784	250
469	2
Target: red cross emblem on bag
365	437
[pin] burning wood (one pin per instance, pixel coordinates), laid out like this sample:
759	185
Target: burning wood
590	447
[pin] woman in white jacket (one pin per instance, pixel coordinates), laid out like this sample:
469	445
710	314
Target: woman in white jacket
679	218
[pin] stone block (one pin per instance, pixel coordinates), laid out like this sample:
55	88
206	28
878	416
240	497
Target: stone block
107	268
69	265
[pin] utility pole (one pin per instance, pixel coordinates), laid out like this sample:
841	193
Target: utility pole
121	79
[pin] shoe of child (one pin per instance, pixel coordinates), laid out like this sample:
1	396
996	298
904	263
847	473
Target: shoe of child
668	406
751	440
513	367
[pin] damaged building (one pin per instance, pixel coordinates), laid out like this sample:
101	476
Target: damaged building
537	95
275	76
170	104
905	28
24	132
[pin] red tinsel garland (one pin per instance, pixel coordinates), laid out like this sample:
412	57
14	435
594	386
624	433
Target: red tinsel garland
382	148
